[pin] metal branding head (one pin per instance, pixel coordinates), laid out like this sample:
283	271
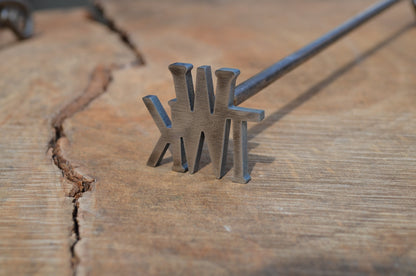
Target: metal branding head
199	115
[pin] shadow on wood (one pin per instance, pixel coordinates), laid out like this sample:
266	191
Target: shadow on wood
270	120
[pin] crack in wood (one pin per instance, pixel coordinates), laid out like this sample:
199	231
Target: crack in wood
98	84
80	182
75	260
97	13
99	81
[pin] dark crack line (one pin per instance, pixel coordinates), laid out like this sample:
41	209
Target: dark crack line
100	79
97	13
98	84
74	257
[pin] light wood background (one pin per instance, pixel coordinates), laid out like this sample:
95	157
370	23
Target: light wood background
333	165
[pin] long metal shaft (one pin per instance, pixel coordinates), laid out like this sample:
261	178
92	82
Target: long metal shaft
258	82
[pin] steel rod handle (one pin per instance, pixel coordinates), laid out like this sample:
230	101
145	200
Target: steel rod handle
266	77
198	115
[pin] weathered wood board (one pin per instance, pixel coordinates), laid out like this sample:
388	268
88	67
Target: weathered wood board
38	77
333	165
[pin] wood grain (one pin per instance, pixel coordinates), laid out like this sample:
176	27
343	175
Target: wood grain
333	165
39	77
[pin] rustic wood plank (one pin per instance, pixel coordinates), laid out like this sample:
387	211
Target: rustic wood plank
333	165
39	77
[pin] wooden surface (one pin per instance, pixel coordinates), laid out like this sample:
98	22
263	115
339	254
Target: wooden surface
39	76
333	165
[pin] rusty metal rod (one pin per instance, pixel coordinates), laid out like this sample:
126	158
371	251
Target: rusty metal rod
263	79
